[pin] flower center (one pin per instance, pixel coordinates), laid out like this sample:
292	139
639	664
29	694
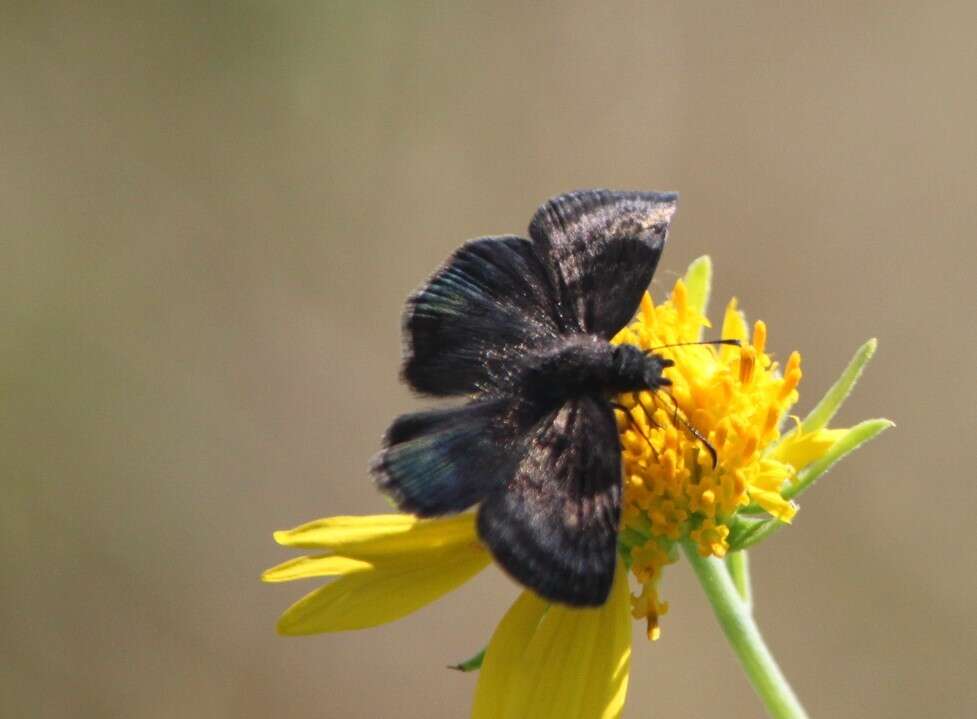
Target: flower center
733	397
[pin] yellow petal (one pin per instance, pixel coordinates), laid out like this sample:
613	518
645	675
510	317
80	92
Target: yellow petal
770	475
799	449
774	504
321	566
380	534
505	653
734	323
391	589
734	328
561	663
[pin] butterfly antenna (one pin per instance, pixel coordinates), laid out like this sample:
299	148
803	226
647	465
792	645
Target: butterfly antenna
677	416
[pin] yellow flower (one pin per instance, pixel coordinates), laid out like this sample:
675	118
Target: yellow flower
388	565
734	398
543	660
555	661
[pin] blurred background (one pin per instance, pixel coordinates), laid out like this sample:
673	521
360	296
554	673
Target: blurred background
212	213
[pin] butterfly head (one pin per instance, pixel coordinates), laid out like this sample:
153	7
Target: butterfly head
637	370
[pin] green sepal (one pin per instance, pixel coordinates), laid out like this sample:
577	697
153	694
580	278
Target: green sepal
819	417
698	284
746	531
853	439
470	665
835	397
630	537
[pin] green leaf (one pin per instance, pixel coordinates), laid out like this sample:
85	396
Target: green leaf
470	665
855	438
835	397
698	283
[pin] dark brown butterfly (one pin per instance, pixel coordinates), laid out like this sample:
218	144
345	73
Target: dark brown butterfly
522	327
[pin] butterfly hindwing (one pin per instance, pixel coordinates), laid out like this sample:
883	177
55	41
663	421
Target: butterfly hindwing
601	248
445	460
553	525
489	301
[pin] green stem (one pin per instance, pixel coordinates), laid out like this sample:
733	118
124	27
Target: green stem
742	632
738	565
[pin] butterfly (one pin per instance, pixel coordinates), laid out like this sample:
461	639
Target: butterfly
522	329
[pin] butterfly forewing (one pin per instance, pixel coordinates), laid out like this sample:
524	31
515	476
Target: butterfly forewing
490	302
600	249
553	524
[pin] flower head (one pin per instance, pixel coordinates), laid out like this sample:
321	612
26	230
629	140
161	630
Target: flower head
734	399
715	460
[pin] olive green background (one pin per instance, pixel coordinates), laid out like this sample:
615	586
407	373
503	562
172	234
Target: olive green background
210	214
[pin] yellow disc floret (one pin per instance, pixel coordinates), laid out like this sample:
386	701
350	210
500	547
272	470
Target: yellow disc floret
734	398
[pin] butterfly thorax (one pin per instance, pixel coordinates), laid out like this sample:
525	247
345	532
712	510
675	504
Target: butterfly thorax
586	365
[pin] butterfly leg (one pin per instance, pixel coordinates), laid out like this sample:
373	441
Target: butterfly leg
633	422
679	417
